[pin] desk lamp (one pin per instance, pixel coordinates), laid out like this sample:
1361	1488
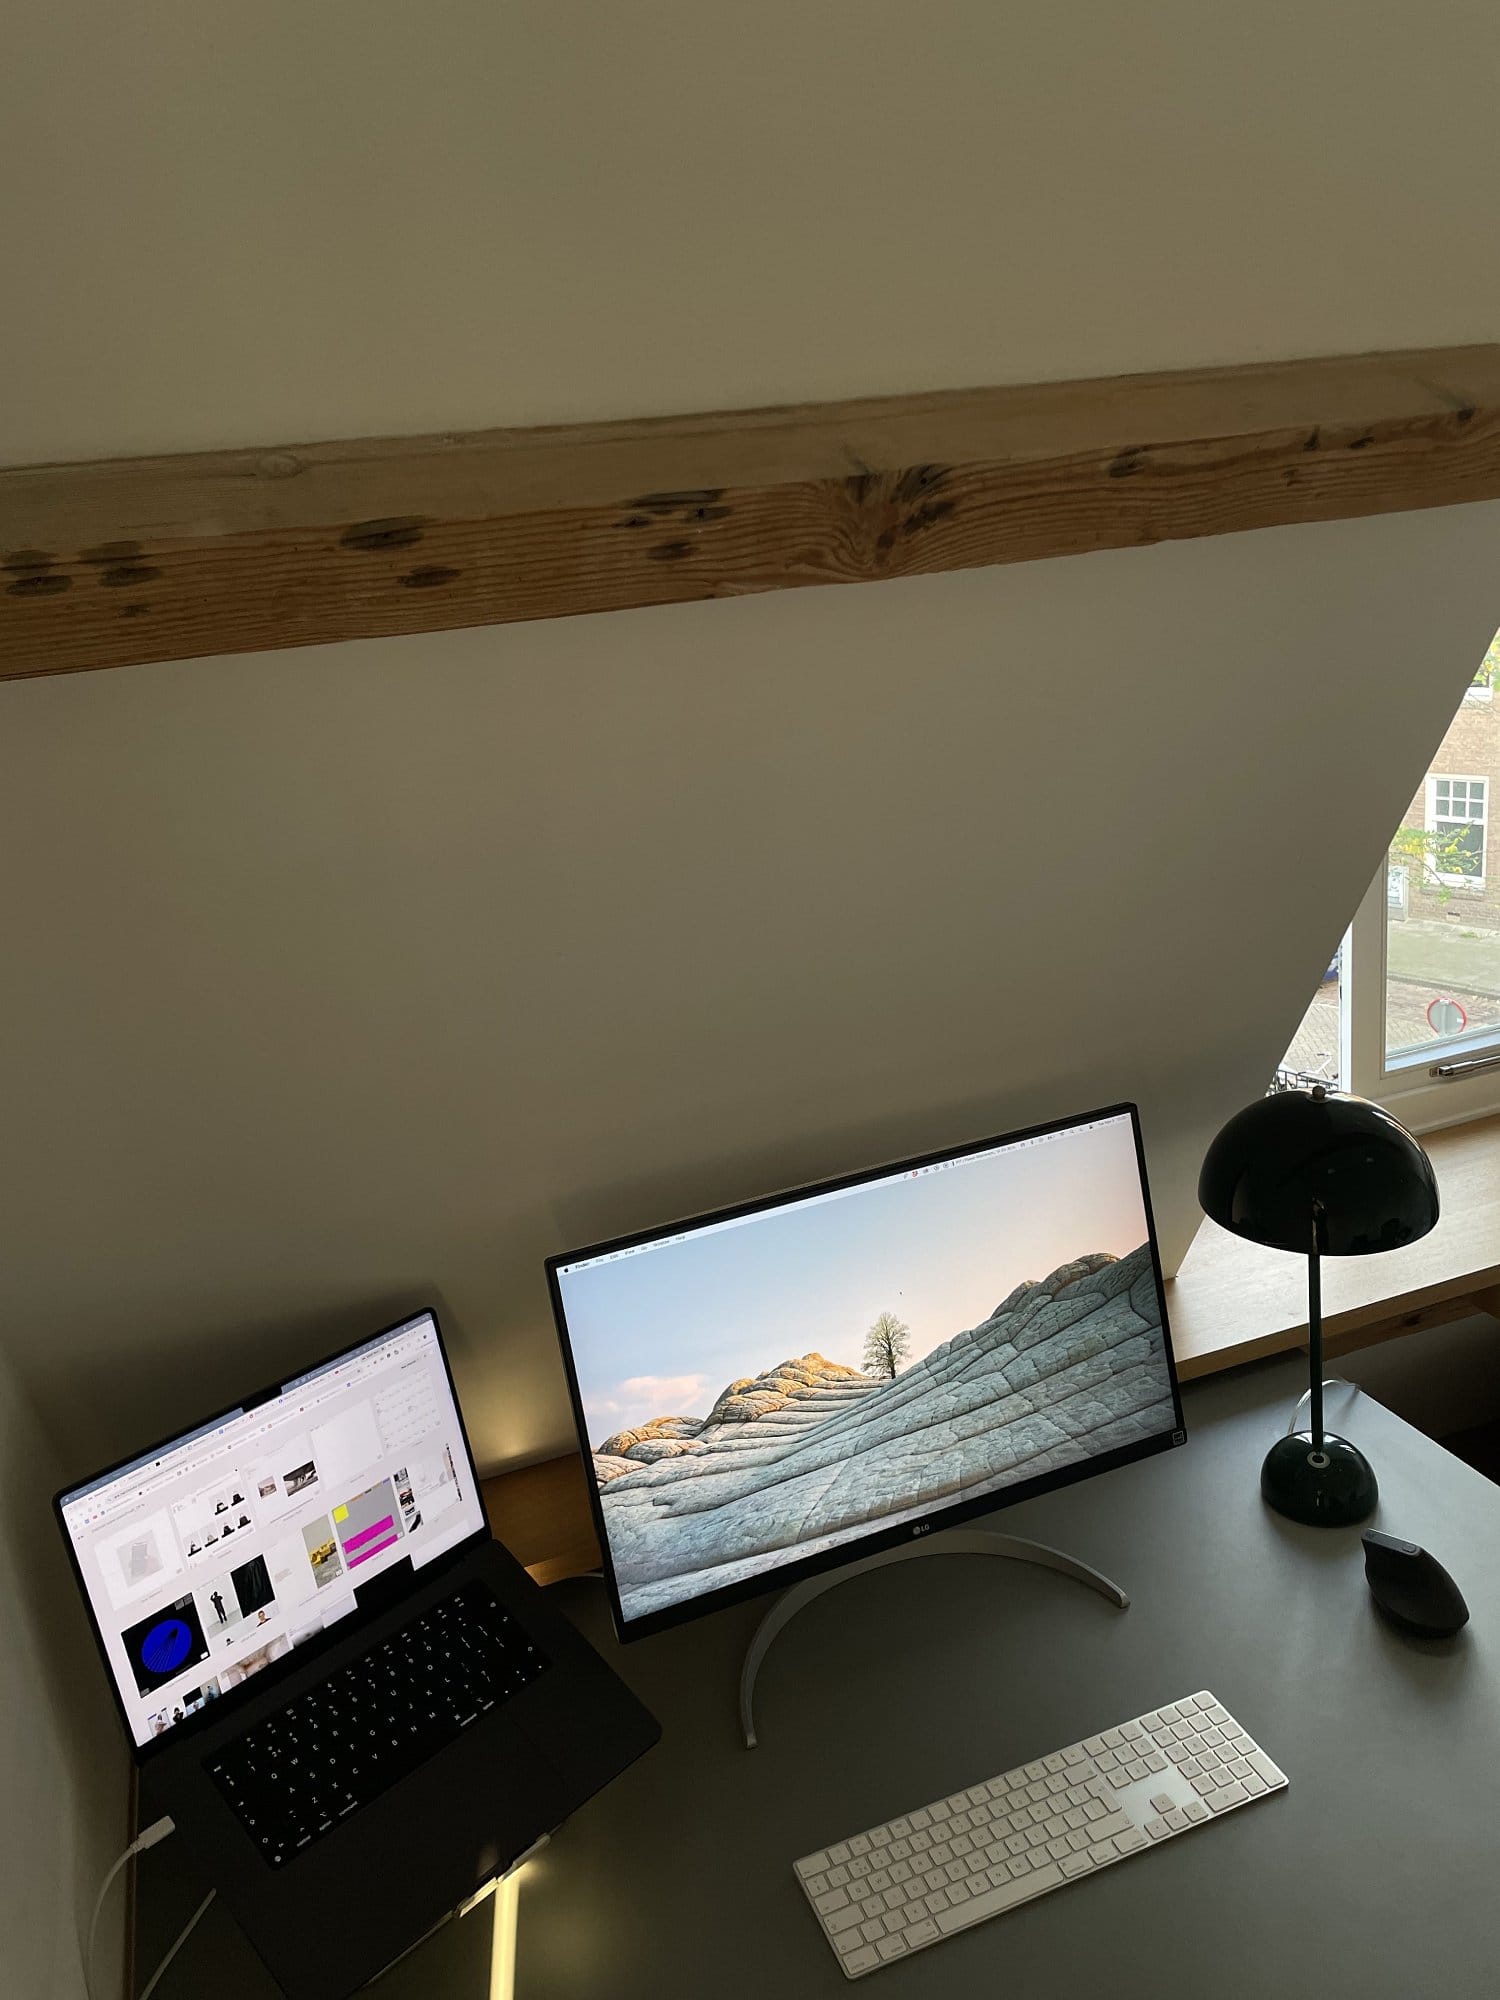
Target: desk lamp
1332	1176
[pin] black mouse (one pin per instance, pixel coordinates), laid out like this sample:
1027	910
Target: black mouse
1412	1588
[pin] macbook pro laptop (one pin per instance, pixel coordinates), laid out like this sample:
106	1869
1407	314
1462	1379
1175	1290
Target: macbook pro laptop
356	1706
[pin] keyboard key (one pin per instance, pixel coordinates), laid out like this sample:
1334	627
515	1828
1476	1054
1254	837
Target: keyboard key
1076	1864
993	1901
924	1931
892	1947
842	1920
862	1958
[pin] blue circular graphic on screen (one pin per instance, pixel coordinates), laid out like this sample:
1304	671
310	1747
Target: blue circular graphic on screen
166	1646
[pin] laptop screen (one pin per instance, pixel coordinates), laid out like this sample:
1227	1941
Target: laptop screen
222	1550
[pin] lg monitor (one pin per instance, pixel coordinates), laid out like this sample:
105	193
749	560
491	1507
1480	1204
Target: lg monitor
784	1386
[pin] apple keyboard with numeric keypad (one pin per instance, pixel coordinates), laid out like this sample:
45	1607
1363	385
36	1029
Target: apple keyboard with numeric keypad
924	1875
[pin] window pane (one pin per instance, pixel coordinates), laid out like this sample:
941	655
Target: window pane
1313	1056
1443	894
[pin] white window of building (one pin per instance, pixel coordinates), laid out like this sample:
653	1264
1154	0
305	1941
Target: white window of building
1456	809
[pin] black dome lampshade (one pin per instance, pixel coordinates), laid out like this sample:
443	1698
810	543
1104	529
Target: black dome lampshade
1327	1175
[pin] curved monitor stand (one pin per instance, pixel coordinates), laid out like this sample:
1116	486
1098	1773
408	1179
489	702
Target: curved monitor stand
957	1542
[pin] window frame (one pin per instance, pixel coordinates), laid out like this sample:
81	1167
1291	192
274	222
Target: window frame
1408	1085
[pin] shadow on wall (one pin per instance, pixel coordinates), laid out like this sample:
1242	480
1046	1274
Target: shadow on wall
230	1358
66	1771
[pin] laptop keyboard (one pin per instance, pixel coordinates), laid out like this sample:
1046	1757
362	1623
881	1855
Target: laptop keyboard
291	1778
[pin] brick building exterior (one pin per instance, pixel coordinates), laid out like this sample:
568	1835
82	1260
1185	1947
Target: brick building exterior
1460	801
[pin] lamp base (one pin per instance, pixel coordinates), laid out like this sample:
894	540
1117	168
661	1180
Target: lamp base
1331	1488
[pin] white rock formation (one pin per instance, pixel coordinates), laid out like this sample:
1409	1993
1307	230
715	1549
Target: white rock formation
801	1457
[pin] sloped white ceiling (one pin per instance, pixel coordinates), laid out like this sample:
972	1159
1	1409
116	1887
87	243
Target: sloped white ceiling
338	980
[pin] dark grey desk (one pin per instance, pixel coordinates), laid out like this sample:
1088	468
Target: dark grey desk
1377	1874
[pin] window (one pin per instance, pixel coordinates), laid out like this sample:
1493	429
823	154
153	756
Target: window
1456	815
1409	1010
1482	687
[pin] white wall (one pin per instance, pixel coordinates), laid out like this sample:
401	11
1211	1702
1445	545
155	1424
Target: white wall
238	225
63	1766
345	977
341	978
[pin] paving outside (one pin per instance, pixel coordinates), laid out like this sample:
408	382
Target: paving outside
1427	961
1448	954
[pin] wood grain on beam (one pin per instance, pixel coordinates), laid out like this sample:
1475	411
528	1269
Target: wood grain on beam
129	560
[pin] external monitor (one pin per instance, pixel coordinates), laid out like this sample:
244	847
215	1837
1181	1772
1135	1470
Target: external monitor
780	1387
205	1560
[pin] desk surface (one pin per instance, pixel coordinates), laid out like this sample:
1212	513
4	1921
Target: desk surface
1373	1874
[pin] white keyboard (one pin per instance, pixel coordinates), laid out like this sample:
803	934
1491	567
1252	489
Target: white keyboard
926	1874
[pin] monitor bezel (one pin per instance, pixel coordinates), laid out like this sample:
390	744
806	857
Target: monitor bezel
877	1540
299	1656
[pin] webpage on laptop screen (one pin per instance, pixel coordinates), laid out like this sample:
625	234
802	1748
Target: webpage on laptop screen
224	1550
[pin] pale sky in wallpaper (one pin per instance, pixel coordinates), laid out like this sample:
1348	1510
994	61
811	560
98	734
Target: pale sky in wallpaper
661	1333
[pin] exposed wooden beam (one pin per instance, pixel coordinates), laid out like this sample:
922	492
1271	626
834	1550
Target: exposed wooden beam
122	561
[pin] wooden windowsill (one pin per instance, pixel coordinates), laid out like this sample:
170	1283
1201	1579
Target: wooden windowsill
1231	1302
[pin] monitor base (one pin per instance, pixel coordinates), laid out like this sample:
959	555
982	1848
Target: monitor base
957	1542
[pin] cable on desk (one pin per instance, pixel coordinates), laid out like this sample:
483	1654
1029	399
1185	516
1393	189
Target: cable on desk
1329	1382
155	1833
182	1937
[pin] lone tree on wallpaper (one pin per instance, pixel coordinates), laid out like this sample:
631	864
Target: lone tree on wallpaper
887	1345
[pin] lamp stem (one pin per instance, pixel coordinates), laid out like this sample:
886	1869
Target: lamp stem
1315	1329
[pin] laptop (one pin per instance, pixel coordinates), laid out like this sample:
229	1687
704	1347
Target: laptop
356	1706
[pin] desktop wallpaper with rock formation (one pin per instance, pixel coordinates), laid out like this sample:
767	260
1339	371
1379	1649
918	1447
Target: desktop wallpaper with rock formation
707	1479
813	1452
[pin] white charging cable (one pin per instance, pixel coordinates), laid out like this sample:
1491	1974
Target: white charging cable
1329	1382
182	1937
150	1838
